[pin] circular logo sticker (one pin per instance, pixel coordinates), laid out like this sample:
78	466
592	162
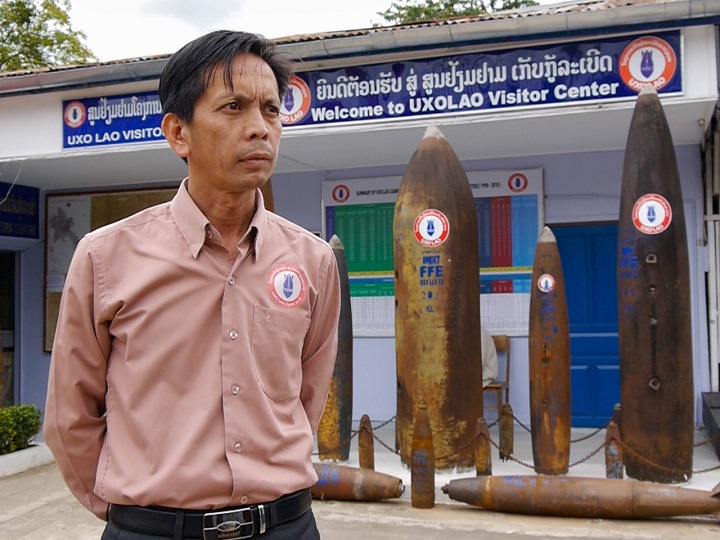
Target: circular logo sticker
340	193
518	183
647	60
651	214
287	286
74	114
546	283
297	101
431	228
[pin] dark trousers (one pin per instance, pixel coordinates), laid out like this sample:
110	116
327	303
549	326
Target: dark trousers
302	528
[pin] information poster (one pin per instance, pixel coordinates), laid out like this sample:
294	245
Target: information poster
68	219
510	217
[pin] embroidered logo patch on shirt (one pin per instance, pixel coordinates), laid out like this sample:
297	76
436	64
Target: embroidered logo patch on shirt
287	286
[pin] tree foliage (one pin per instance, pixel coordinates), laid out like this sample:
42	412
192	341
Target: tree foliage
410	11
38	33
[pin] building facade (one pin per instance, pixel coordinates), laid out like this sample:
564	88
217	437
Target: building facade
536	103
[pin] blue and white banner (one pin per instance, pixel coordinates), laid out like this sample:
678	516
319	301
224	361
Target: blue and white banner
533	76
569	73
19	211
106	120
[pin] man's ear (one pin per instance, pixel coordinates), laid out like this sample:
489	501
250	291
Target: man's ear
172	128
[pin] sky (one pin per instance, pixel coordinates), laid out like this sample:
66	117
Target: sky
119	29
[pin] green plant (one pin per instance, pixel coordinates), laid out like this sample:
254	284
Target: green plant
18	426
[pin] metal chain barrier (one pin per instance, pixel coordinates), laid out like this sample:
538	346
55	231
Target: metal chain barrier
591	435
645	460
591	454
584	438
382	443
378	439
343	443
708	441
624	446
356	432
512	458
519	423
384	423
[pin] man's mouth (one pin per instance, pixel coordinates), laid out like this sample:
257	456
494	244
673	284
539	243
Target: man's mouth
256	156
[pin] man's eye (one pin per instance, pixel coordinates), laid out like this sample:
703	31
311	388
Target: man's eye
233	106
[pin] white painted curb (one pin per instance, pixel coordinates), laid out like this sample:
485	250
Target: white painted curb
36	455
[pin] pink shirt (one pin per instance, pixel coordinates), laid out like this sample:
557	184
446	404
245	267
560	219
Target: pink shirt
184	377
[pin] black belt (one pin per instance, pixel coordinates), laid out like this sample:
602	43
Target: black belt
231	524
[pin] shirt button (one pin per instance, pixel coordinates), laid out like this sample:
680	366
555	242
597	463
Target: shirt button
209	233
244	499
238	447
233	334
231	280
235	389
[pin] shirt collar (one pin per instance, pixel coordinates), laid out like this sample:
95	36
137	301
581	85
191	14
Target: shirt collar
259	223
193	224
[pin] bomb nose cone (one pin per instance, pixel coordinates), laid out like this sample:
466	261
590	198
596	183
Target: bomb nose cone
336	243
434	132
648	89
546	236
468	490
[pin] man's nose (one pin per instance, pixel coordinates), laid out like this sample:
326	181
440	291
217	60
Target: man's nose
255	124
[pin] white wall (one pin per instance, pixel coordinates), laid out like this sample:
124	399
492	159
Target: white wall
32	125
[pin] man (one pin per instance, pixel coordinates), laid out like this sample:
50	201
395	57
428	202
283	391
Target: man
196	339
489	357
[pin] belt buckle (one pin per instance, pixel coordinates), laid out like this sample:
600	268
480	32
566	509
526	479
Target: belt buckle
229	525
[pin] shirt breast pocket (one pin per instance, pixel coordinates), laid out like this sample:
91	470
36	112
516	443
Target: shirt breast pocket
277	342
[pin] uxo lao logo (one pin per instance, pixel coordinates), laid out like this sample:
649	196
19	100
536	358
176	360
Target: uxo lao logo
297	102
647	60
74	114
341	193
546	283
287	286
652	214
431	228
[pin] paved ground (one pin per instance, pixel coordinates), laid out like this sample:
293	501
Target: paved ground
35	505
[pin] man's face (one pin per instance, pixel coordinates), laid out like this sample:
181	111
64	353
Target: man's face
233	138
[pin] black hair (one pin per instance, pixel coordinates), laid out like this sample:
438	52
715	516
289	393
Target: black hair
189	71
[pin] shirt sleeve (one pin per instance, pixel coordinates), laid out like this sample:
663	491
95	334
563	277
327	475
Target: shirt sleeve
74	421
320	347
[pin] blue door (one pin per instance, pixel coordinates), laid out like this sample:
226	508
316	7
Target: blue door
588	255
